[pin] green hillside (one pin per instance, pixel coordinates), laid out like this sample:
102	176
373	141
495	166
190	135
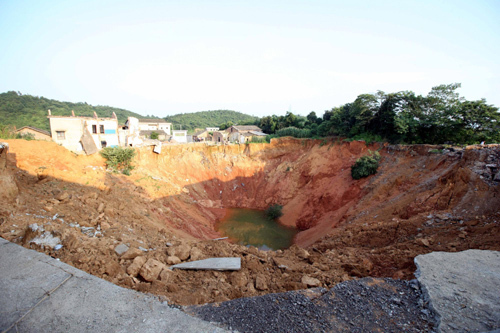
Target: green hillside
216	118
26	110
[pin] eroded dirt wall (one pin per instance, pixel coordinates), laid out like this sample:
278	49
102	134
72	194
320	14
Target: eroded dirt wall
418	202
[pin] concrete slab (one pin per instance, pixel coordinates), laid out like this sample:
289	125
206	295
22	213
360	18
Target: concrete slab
41	294
216	264
463	288
23	283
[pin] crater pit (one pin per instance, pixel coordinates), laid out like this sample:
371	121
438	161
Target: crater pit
167	210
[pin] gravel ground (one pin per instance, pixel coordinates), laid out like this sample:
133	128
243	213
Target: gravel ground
365	305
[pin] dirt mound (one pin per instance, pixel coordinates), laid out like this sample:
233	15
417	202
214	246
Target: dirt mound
129	229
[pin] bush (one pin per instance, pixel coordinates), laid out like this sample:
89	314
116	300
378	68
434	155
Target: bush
256	139
295	132
154	135
7	132
118	158
365	166
274	212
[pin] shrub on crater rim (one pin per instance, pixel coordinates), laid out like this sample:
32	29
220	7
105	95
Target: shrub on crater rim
365	165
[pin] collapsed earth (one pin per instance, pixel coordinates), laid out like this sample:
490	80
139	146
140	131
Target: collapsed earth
130	229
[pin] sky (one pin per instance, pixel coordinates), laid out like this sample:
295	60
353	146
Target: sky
258	57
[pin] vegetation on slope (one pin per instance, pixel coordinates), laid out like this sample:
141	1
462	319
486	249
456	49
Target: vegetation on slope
216	118
365	165
25	110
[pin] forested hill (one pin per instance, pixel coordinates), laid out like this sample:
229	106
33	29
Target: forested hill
203	119
26	110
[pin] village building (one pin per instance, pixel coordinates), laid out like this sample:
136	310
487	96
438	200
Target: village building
84	134
220	136
149	128
205	134
242	134
179	136
36	133
148	124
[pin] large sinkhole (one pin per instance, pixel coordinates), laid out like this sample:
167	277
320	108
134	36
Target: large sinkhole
252	227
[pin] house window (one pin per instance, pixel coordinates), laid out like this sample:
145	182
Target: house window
61	135
94	129
101	129
103	144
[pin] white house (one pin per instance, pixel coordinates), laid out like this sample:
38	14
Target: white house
146	124
88	134
179	136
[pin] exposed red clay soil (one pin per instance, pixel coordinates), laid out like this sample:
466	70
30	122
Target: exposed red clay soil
166	210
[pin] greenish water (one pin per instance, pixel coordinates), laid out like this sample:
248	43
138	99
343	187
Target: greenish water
252	227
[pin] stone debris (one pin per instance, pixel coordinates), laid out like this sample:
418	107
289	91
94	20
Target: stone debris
173	260
136	266
121	249
365	305
216	264
131	253
151	270
182	251
46	239
260	283
310	281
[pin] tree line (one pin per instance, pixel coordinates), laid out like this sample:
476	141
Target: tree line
402	117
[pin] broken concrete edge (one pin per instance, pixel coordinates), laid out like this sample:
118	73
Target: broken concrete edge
47	311
215	264
425	293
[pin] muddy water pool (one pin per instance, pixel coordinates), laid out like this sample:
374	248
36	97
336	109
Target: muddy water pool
252	227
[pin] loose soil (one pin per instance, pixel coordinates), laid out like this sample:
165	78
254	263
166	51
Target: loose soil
166	211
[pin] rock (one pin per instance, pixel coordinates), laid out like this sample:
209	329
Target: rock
423	241
310	281
285	264
260	282
100	209
195	254
105	225
165	275
302	253
63	196
239	279
497	177
173	260
150	271
182	251
136	265
462	288
121	249
131	253
9	189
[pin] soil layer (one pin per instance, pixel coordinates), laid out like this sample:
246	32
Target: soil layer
129	229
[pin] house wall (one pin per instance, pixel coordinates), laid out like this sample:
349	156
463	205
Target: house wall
73	130
236	136
37	135
165	127
218	137
110	135
152	126
179	136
